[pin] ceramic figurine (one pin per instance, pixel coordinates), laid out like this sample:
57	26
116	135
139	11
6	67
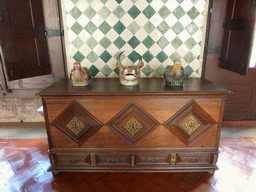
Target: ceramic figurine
174	75
129	75
80	76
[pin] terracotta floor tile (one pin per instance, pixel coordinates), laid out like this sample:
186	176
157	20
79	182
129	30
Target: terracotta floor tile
100	186
126	177
83	186
152	186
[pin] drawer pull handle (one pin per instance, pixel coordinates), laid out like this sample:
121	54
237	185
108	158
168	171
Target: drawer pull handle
93	159
193	160
153	160
112	160
73	160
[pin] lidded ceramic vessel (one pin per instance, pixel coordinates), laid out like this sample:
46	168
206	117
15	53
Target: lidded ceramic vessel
80	76
174	74
129	75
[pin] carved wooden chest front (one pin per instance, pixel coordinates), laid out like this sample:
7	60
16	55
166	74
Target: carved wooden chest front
151	127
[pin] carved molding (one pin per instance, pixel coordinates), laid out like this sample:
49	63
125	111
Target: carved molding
132	123
190	123
76	123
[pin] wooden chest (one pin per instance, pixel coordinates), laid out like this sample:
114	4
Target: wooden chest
151	127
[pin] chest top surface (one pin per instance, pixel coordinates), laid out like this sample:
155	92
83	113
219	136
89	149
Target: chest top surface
147	86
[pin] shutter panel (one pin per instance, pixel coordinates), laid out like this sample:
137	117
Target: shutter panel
238	36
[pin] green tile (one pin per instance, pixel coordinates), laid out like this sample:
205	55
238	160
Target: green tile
133	56
147	56
179	12
147	70
148	42
164	12
190	43
163	27
119	12
149	12
134	12
105	42
176	42
194	1
104	12
90	28
175	56
76	28
91	42
78	56
89	1
92	57
188	71
133	42
77	42
165	1
189	57
104	1
192	28
90	12
104	27
161	56
162	42
75	13
116	70
106	70
119	1
148	27
179	1
149	1
133	27
160	70
119	42
74	1
177	28
193	13
105	56
119	27
93	70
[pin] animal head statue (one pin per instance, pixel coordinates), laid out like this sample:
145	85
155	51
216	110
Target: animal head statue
129	75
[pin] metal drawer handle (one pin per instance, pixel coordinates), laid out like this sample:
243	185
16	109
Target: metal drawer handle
112	160
193	160
153	160
73	160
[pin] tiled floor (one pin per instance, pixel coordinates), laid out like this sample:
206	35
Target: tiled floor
24	164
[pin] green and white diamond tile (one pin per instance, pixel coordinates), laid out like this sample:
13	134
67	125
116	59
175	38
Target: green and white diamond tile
160	30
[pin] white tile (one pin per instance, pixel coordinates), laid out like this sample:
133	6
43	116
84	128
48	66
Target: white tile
184	36
72	49
156	35
172	5
112	5
71	35
183	50
200	5
126	35
141	5
97	20
196	50
197	35
85	49
98	49
170	35
171	20
112	49
69	5
112	63
141	49
84	35
141	34
157	4
126	5
186	5
70	21
155	50
112	20
83	20
100	75
185	21
82	5
99	63
199	21
169	50
156	19
98	35
141	20
126	20
97	5
112	35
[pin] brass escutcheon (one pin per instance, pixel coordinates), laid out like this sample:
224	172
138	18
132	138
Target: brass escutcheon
73	160
153	160
193	160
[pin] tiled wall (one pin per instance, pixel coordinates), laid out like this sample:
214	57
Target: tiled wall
162	31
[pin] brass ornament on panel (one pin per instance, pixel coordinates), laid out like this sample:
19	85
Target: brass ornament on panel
190	125
75	125
133	126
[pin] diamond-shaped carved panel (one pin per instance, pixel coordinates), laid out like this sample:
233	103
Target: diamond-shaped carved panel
132	123
190	123
76	123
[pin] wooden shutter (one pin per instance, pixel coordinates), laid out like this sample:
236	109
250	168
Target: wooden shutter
23	39
238	36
